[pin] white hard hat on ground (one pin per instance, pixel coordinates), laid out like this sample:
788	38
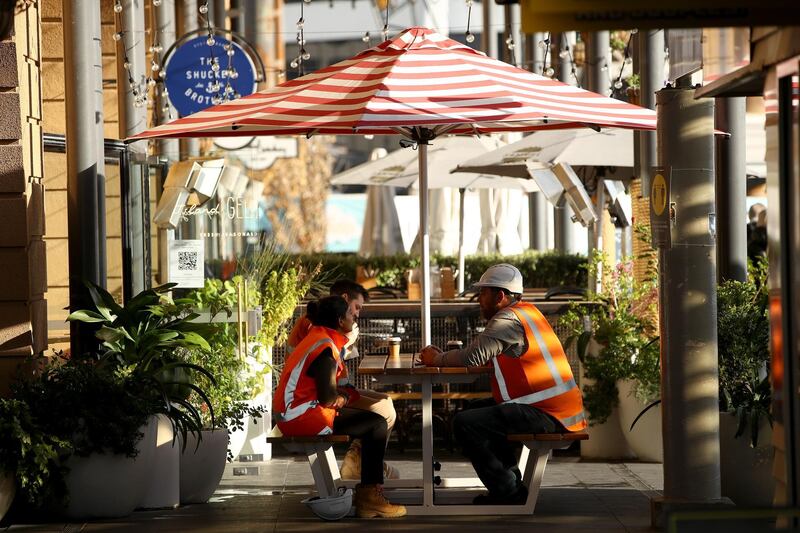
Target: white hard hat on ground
332	507
502	276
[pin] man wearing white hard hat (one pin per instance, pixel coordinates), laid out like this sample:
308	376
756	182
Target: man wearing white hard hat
533	389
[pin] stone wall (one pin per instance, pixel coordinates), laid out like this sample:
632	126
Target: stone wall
23	308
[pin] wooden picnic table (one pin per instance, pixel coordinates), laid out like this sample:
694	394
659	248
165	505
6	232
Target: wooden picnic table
404	369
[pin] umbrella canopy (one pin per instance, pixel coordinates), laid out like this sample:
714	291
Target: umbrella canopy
543	149
421	85
400	168
418	80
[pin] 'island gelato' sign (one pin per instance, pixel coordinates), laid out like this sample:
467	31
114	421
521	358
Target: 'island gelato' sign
198	75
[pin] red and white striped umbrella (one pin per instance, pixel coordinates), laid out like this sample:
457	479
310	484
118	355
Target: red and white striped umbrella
420	85
419	79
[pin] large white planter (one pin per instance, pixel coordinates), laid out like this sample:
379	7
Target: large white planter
646	437
606	440
8	488
202	465
163	485
252	439
110	486
746	472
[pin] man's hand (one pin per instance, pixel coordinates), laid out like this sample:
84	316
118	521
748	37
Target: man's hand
428	354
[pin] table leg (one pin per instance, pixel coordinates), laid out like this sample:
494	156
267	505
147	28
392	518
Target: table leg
427	441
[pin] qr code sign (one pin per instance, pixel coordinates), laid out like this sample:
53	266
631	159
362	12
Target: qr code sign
187	260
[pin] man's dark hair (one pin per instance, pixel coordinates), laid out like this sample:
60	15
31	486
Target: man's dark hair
327	311
350	288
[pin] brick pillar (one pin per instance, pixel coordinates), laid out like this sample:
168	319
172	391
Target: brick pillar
23	309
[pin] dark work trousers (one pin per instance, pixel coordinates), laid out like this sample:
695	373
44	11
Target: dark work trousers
482	429
373	431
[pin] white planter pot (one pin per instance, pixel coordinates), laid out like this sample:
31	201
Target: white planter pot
606	440
252	439
746	472
8	488
202	465
110	486
163	486
646	437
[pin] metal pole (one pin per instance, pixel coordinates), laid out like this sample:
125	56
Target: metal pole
188	21
165	22
598	58
80	40
132	120
461	260
220	19
538	220
688	301
425	241
102	263
488	36
564	239
651	65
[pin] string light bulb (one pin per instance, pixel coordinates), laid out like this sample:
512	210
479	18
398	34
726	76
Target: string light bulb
563	54
549	72
203	9
618	84
156	3
365	38
634	31
210	41
118	36
469	37
117	7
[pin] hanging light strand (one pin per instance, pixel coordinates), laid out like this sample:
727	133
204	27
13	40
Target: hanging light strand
547	70
302	55
627	60
573	68
138	91
385	31
214	86
469	36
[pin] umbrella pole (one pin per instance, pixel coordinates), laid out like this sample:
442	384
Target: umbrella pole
425	241
461	240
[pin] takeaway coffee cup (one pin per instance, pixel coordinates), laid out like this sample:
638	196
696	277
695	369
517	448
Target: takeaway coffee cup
394	346
454	345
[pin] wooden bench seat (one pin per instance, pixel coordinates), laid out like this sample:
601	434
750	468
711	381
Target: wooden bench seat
536	450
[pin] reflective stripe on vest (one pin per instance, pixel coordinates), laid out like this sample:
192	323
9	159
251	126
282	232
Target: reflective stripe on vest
568	408
291	384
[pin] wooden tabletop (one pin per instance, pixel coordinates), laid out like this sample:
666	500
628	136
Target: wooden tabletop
404	365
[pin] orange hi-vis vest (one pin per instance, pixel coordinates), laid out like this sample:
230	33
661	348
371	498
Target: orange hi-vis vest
540	377
296	400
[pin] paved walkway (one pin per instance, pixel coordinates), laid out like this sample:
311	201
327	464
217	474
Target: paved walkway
576	496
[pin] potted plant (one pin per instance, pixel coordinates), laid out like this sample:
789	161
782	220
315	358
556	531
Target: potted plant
745	395
103	416
139	375
618	347
29	457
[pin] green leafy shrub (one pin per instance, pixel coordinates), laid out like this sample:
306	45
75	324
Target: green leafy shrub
743	344
30	454
237	378
621	323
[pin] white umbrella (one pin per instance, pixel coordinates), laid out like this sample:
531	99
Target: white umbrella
543	149
400	169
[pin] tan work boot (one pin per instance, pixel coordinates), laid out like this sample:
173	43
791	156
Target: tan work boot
370	503
351	465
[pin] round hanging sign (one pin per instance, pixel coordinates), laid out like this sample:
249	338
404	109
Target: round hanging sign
193	81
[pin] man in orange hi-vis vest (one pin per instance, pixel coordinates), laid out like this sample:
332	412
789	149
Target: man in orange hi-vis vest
533	388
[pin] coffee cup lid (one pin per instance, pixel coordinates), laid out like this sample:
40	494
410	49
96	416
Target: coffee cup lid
394	339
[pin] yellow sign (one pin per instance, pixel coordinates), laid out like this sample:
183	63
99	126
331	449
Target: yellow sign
658	194
565	15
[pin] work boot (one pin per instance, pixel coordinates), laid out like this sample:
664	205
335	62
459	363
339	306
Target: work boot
351	465
371	503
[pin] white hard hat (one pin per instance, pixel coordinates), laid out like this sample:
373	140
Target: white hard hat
502	276
332	507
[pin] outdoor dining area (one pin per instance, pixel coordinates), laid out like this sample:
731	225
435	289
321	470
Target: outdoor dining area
624	383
